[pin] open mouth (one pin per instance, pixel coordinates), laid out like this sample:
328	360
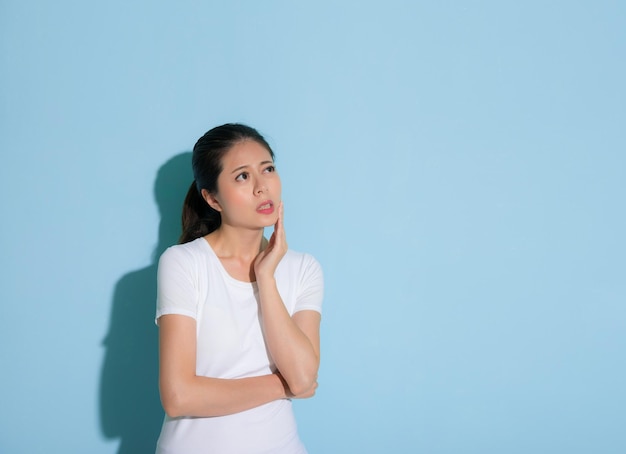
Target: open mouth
266	207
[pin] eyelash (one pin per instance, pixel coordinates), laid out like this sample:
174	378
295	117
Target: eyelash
238	177
242	174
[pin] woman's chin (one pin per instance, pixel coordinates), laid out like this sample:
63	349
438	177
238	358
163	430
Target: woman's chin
270	221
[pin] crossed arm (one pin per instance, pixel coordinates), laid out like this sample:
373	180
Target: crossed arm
183	393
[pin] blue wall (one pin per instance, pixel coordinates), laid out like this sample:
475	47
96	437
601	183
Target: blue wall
458	168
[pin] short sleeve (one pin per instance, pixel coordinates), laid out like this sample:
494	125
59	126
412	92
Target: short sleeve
311	292
177	291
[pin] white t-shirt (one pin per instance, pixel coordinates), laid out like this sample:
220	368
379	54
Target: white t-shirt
193	282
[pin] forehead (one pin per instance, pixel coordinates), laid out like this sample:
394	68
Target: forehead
245	153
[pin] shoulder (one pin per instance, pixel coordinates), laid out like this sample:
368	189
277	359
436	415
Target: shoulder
189	250
301	265
301	259
184	254
302	273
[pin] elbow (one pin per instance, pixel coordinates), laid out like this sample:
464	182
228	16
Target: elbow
303	383
172	402
171	408
301	388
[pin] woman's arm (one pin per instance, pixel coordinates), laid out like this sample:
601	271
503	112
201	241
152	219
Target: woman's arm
183	393
293	341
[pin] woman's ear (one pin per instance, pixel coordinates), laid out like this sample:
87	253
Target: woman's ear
211	200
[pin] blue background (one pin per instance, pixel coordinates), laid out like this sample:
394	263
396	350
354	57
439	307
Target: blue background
458	167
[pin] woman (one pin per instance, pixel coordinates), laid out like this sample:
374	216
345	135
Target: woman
238	315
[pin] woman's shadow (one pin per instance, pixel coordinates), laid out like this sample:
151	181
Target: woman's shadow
130	408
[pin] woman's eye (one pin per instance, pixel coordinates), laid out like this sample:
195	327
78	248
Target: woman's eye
270	169
242	176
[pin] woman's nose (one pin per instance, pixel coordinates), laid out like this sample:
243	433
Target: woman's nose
260	188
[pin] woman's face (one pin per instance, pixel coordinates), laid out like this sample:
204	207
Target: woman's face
248	189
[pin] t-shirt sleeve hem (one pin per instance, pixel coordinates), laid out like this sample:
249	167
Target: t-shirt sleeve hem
308	308
173	311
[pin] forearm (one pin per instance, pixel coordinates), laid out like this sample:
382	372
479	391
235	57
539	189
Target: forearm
204	396
292	351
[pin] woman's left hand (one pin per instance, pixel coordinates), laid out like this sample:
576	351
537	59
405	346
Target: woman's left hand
268	259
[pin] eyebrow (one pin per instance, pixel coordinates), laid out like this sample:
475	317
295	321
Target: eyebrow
246	165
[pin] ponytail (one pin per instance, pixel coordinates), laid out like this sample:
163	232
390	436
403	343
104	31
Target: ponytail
198	218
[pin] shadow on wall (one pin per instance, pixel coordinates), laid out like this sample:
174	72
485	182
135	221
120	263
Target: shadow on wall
130	408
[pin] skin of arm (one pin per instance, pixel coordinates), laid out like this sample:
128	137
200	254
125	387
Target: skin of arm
183	393
293	341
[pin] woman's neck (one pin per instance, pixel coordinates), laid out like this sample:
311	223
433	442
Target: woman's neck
236	250
240	244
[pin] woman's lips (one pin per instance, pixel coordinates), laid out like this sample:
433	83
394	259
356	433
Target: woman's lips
266	207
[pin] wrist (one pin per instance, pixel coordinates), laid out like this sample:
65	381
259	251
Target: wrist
281	386
265	281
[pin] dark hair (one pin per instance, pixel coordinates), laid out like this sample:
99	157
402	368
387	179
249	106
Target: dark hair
198	217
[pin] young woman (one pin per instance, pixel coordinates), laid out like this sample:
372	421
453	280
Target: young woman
238	314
